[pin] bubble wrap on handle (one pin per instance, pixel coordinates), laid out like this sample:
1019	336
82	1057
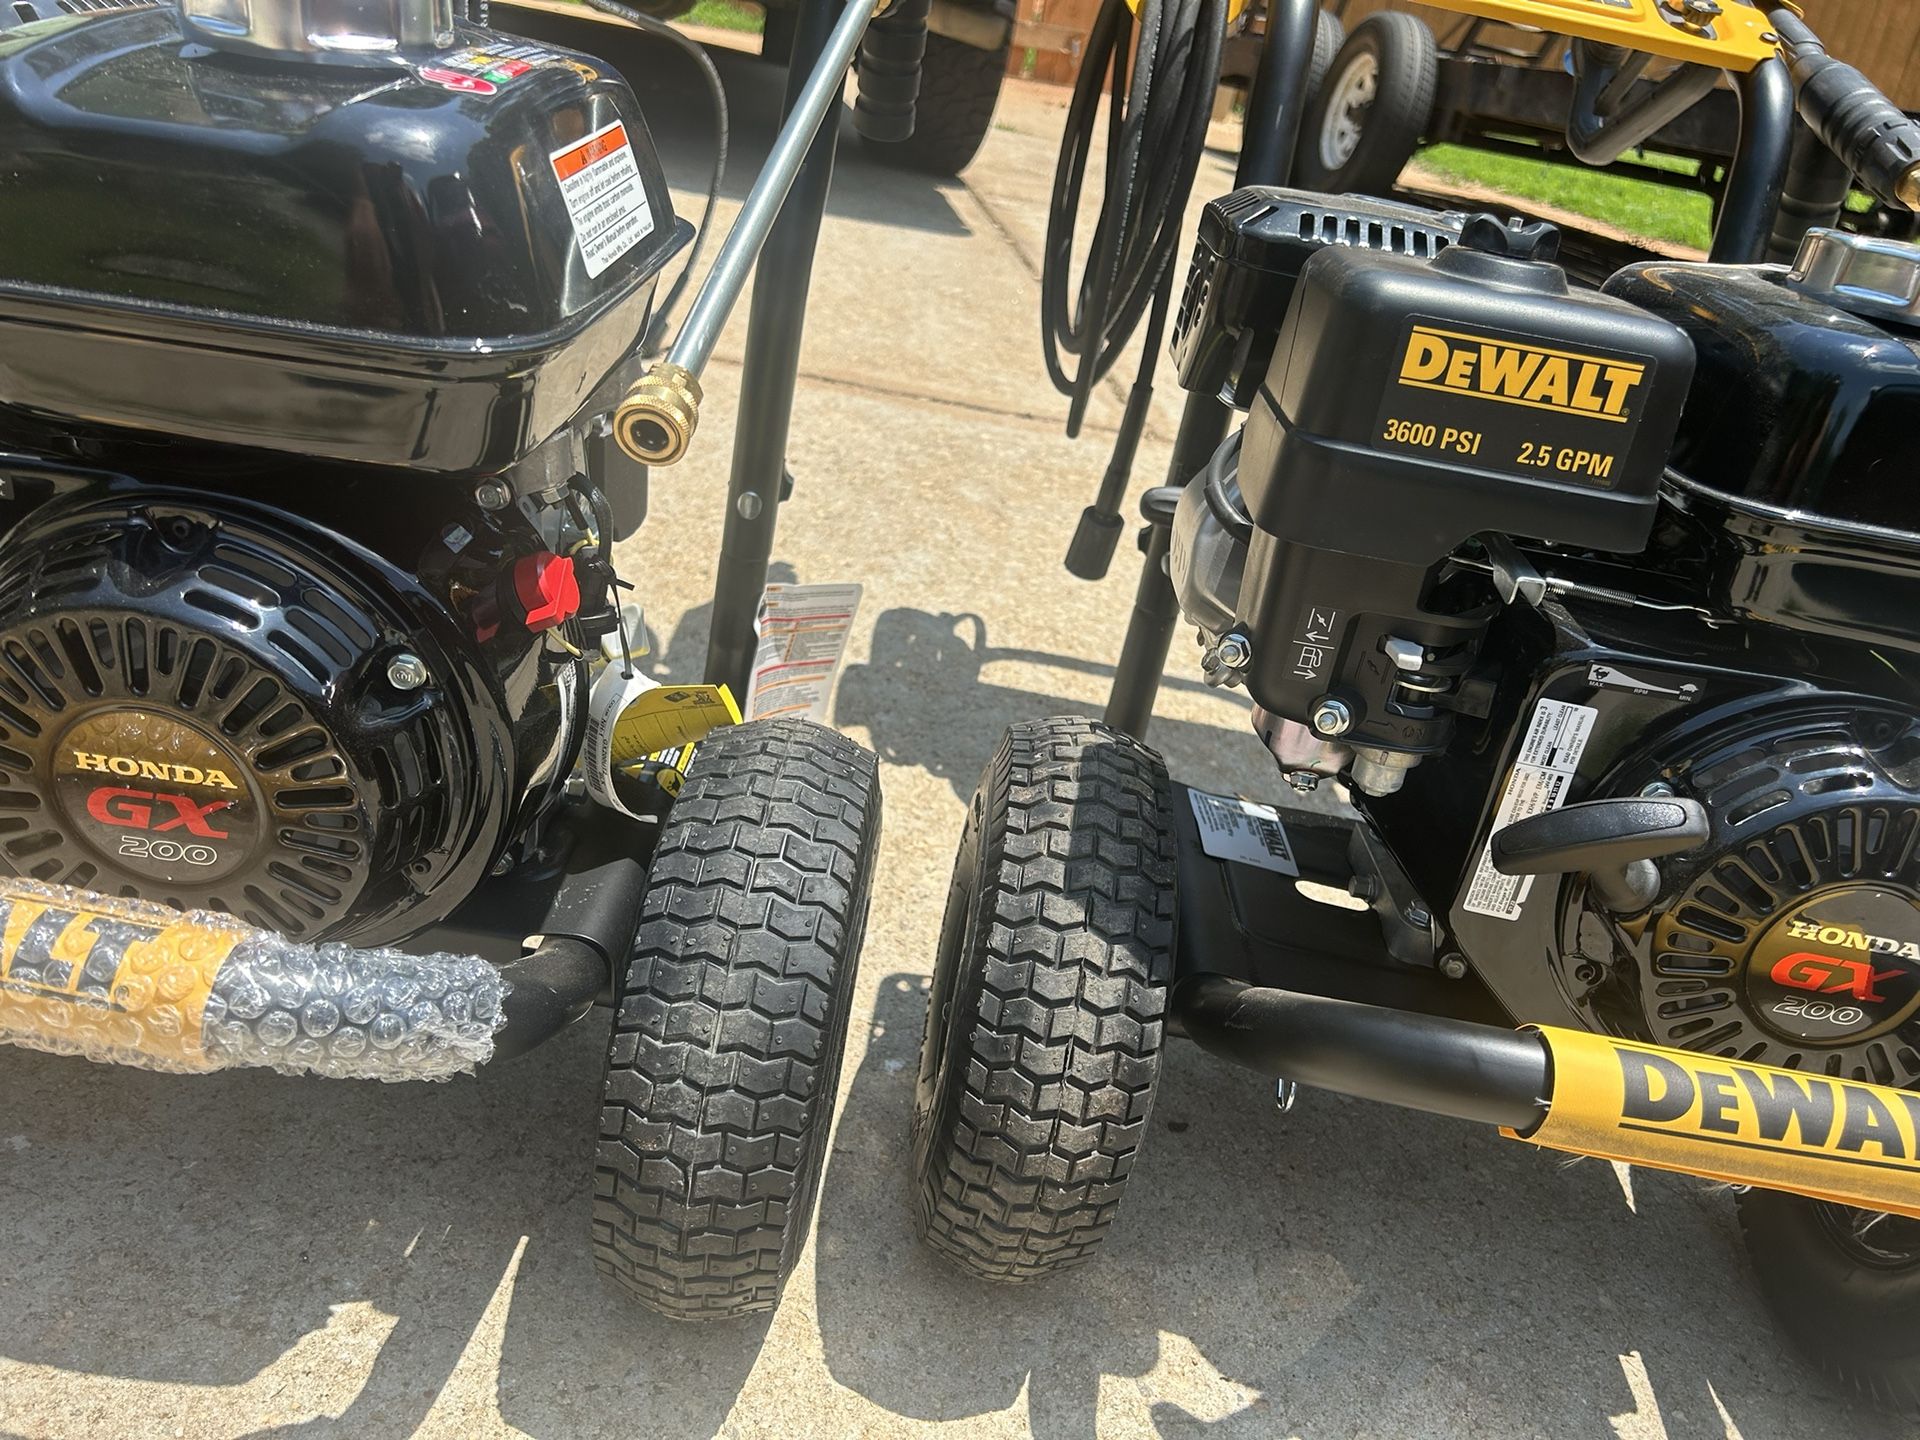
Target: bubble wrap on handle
126	982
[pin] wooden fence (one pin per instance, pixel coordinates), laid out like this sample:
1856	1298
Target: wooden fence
1882	37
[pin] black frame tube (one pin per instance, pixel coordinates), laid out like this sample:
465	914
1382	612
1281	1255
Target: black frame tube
1156	610
771	370
1397	1057
1603	124
585	936
1751	204
1276	106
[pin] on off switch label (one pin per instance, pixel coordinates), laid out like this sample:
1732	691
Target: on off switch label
1504	402
605	196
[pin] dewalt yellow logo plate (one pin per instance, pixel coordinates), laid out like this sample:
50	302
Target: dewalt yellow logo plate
1840	1140
106	978
1563	382
1510	403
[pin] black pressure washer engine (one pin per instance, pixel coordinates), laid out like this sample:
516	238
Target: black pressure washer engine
1597	609
314	317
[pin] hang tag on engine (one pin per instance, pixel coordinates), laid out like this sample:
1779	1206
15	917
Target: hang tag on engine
632	717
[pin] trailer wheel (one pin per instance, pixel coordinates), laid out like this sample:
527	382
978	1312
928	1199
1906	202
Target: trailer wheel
1045	1016
1845	1284
1372	108
959	86
730	1020
1328	36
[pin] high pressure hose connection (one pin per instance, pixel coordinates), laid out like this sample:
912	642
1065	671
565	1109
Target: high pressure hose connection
1876	140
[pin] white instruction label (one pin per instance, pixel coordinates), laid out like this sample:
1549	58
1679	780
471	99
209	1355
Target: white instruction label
1242	831
803	634
1541	776
601	184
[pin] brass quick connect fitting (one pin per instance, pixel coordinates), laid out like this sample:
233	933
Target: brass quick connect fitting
1908	190
656	421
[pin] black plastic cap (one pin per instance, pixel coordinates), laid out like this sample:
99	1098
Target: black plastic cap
1094	541
889	72
1516	239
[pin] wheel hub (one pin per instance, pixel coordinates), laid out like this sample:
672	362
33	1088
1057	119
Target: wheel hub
1346	116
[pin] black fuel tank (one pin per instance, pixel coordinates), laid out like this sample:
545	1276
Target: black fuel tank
432	262
1796	403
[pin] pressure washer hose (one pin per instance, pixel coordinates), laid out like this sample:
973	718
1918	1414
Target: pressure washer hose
1157	128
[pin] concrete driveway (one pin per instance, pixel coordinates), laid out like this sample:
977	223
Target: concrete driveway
249	1255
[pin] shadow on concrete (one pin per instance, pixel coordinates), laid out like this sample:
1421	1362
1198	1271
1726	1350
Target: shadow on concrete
1342	1270
254	1235
925	699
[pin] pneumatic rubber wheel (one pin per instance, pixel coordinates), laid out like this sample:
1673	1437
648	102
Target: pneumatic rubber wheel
1845	1285
959	86
731	1018
1046	1013
1373	107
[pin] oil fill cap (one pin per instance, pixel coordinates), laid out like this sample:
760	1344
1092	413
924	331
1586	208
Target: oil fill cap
1514	254
1874	279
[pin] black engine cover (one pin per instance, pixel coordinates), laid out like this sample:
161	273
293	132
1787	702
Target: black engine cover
195	708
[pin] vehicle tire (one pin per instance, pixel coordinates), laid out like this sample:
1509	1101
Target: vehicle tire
1372	107
1328	36
1046	1012
731	1018
1850	1300
959	86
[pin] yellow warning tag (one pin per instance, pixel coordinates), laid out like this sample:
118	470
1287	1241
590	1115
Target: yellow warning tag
108	978
670	716
631	716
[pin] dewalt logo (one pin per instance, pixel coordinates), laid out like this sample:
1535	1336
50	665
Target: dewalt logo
1562	381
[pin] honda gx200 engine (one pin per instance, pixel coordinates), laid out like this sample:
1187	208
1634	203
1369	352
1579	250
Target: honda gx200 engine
307	330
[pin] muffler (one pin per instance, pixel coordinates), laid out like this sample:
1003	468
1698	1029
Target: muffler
1843	1140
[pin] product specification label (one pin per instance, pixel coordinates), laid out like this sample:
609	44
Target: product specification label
1503	402
1242	831
1541	776
605	197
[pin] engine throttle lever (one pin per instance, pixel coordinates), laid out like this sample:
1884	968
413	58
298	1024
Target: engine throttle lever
1613	842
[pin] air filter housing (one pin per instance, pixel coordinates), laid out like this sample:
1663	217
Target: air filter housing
1252	246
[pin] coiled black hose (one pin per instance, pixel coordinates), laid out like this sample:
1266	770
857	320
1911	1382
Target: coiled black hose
1157	129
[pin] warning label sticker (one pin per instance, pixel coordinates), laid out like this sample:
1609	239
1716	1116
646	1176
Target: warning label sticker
1242	831
803	635
605	197
1542	774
